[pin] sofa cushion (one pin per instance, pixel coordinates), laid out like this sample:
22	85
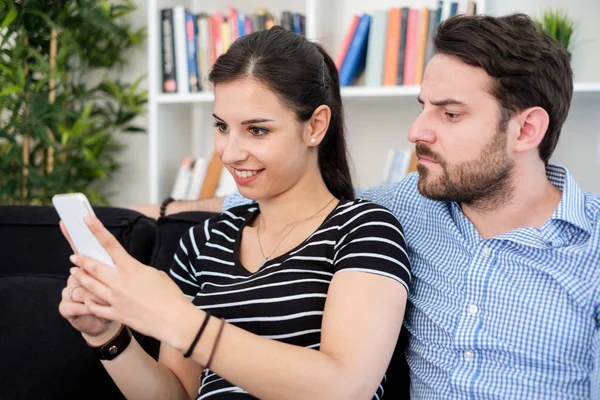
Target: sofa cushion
170	230
32	243
43	356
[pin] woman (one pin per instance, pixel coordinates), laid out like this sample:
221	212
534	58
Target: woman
307	287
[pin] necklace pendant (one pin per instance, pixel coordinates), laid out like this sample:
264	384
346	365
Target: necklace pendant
263	262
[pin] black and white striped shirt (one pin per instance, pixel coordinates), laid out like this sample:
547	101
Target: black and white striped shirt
284	300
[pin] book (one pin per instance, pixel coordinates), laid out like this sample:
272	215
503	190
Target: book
212	177
169	78
392	46
402	49
376	48
410	57
287	21
233	24
296	23
400	165
198	172
191	31
225	35
339	61
435	16
421	45
357	52
203	43
181	57
182	180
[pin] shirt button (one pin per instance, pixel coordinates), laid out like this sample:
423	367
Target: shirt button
469	356
473	309
486	251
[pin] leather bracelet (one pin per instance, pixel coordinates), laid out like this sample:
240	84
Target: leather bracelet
164	204
115	346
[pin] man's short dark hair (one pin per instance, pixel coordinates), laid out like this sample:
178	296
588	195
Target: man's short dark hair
529	68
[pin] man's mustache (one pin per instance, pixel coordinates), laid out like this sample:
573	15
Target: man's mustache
423	151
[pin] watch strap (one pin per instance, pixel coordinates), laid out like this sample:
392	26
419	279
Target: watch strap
115	346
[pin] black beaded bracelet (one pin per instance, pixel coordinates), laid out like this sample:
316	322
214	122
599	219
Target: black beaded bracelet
164	204
188	353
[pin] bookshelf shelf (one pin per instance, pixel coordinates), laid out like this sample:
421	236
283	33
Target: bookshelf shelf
587	87
354	93
190	98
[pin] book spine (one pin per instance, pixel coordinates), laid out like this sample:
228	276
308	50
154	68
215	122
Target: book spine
402	49
376	49
181	57
169	78
422	45
192	57
392	46
356	57
410	58
346	42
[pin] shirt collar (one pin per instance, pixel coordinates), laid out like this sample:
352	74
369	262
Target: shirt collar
571	209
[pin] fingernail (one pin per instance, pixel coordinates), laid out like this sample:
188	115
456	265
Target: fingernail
73	270
73	258
88	219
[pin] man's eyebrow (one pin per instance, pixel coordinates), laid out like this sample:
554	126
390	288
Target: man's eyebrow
443	102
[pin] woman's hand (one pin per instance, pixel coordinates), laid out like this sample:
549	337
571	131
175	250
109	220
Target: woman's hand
141	297
96	331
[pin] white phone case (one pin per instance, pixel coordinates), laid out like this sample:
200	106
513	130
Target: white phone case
72	208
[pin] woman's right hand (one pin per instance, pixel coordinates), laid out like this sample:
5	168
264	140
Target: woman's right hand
96	331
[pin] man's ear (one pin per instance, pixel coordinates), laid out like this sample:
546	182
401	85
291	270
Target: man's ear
533	124
317	126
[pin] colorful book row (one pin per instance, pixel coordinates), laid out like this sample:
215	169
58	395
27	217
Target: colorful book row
393	46
191	43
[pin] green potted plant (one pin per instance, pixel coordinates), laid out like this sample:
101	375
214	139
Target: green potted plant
559	26
60	112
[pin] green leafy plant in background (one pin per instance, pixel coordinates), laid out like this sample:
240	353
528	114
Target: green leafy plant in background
58	131
559	26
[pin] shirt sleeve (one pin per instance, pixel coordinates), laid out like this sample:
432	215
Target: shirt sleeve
374	244
183	269
234	200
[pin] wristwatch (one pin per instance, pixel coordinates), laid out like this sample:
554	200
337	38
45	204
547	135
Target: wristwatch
115	346
164	204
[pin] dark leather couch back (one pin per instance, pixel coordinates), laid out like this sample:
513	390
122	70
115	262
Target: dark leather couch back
41	355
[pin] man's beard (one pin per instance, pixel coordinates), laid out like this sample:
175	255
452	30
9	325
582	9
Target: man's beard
483	183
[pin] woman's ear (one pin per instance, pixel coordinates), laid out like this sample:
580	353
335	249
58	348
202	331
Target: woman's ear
317	126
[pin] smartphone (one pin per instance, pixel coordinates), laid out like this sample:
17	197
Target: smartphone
71	209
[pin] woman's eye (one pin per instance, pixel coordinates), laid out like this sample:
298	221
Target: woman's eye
220	126
256	131
452	116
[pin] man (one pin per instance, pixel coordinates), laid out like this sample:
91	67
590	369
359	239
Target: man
505	248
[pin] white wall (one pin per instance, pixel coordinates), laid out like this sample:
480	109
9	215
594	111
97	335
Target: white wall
386	123
130	184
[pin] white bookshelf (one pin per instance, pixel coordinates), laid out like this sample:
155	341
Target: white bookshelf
377	117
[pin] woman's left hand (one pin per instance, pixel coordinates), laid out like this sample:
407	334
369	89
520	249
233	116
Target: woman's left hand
141	297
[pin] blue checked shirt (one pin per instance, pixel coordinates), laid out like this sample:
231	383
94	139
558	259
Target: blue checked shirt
516	316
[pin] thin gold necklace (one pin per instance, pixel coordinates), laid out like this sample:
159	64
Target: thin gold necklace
267	258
